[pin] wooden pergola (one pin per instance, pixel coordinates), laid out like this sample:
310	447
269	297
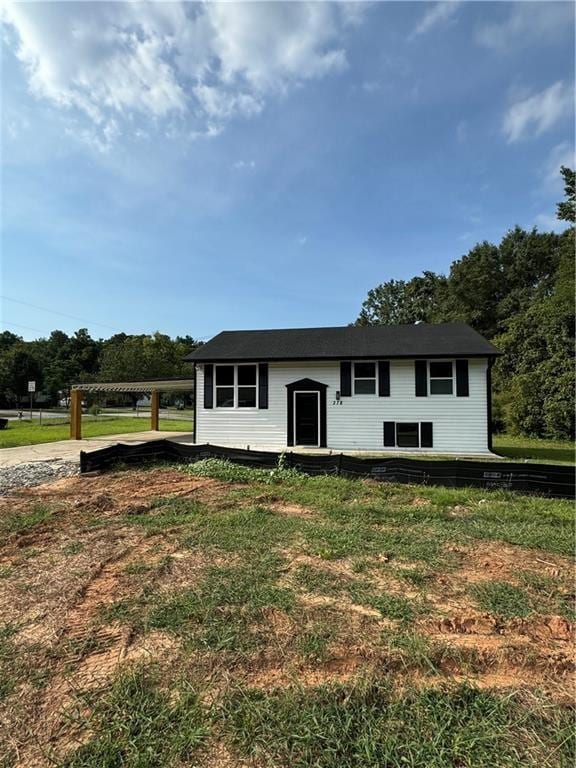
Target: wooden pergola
151	387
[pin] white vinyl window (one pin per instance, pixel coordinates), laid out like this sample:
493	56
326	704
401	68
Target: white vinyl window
236	386
364	378
441	375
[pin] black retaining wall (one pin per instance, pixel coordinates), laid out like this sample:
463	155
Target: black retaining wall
544	479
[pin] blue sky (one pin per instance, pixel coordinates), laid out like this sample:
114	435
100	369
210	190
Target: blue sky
189	168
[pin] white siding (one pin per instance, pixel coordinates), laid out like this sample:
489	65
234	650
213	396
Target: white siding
460	424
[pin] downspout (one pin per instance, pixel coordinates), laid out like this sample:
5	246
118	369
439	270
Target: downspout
489	401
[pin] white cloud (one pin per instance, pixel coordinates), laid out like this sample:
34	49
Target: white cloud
533	115
527	23
302	241
437	14
193	65
242	165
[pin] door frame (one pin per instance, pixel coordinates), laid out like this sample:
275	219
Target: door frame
308	386
295	411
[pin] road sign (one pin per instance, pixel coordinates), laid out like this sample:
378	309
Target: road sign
31	386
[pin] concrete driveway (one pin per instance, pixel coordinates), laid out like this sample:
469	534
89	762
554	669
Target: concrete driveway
69	450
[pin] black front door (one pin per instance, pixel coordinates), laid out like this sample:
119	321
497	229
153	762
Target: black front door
306	418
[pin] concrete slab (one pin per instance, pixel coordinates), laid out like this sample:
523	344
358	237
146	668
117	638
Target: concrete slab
70	449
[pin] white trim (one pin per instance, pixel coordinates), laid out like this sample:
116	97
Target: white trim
305	392
365	378
442	378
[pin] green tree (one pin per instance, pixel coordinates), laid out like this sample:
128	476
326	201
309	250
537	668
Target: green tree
144	357
17	367
534	379
400	301
7	340
567	208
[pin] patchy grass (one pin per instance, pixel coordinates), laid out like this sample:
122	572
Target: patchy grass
368	726
136	724
8	661
547	596
534	449
22	521
242	618
26	433
226	611
502	599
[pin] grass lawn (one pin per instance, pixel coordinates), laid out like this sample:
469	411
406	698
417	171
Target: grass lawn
534	449
214	615
25	433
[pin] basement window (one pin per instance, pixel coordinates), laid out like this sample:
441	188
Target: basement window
441	377
408	434
364	378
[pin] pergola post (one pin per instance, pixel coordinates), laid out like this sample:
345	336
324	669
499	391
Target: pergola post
154	409
76	414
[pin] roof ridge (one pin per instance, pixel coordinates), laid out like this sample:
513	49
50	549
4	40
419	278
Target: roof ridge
345	327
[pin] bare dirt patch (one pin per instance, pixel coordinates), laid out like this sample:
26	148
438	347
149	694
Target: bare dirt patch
63	574
489	560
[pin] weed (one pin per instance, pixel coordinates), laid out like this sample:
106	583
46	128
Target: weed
73	548
236	473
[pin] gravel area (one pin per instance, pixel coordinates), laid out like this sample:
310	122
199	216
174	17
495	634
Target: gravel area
35	473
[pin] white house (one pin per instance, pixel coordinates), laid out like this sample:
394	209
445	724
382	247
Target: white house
411	388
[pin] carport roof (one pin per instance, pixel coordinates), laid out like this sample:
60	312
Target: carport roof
150	385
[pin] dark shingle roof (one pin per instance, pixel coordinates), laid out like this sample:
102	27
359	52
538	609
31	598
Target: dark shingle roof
348	342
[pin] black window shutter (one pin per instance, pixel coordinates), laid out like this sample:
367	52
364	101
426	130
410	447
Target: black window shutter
426	439
389	434
462	387
208	385
345	379
421	377
383	378
263	385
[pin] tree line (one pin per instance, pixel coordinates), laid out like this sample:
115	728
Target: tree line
520	295
60	360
